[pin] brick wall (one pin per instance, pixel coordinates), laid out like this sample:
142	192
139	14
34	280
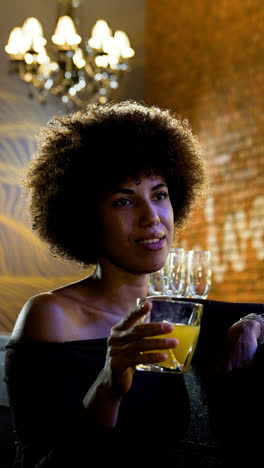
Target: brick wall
205	60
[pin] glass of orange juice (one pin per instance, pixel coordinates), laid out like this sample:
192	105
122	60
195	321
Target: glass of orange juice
186	318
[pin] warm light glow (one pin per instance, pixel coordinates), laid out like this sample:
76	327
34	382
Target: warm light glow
113	60
101	29
110	46
28	77
123	42
122	39
78	59
29	59
95	43
46	69
33	31
65	33
38	44
100	32
29	37
18	43
127	53
43	58
101	61
54	66
32	28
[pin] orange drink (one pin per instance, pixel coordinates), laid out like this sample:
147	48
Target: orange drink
180	356
186	318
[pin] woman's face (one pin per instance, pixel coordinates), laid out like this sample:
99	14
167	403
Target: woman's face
137	225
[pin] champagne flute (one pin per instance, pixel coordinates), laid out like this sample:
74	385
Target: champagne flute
155	283
173	273
165	278
199	273
177	271
185	291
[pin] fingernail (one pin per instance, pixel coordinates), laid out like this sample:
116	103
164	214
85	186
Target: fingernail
172	342
166	326
141	302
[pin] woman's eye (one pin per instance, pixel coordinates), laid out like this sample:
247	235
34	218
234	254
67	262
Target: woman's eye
122	202
161	195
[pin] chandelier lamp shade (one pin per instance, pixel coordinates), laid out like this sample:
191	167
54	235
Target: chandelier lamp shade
77	71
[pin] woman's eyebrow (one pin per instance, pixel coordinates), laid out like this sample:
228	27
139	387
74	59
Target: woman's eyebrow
131	192
156	187
123	190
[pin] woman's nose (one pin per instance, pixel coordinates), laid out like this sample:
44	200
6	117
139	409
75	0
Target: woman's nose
149	215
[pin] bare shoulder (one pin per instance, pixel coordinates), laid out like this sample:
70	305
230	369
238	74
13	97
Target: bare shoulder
41	318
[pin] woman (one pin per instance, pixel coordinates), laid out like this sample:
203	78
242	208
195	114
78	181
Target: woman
107	187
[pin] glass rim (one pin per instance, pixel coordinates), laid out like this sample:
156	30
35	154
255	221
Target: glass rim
165	298
199	252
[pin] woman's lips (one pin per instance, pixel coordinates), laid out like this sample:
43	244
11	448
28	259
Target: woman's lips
152	244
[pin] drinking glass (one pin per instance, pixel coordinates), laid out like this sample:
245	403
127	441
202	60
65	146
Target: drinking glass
199	273
155	283
165	277
186	318
186	289
173	273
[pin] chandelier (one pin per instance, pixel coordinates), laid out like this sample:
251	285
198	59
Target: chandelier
76	74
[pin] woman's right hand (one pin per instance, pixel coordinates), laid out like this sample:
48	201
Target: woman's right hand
126	345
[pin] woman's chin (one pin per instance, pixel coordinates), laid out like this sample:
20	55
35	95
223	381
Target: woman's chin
153	268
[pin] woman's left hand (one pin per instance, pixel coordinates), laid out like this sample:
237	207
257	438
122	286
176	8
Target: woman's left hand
240	346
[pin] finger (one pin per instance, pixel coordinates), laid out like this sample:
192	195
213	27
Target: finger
138	332
158	343
151	358
132	317
144	345
136	359
152	329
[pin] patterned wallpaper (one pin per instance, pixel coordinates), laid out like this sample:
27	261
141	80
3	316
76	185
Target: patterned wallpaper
26	267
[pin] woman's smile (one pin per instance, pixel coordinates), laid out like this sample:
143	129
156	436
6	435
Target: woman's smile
154	242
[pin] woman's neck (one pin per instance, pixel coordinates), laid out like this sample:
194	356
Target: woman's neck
118	289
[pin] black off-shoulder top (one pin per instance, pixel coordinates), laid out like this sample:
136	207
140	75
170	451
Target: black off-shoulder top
46	383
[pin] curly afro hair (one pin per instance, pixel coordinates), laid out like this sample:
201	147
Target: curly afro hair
83	154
